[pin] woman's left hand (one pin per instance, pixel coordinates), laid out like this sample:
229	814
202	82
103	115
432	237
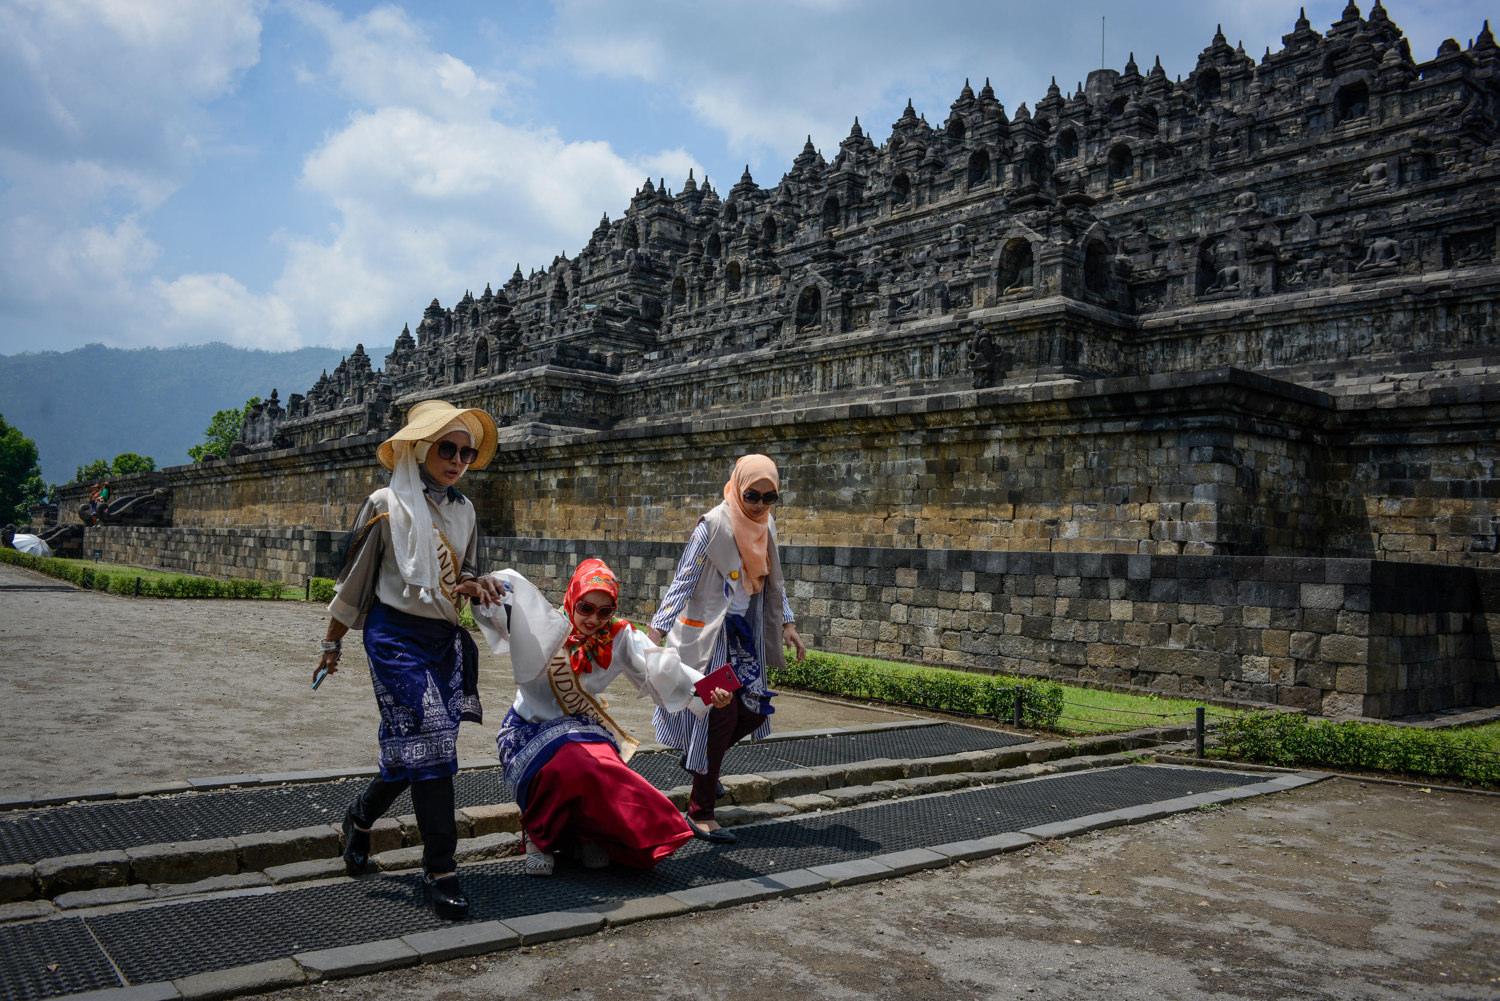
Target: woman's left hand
485	590
792	641
721	698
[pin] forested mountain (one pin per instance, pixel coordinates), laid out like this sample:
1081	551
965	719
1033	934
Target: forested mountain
96	402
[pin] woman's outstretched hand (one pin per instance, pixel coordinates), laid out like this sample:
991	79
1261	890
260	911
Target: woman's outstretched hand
792	641
655	635
485	590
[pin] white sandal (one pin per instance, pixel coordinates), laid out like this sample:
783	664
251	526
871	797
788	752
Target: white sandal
538	862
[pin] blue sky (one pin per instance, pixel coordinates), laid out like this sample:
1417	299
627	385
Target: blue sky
280	173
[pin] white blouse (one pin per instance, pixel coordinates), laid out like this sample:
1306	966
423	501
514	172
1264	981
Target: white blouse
526	626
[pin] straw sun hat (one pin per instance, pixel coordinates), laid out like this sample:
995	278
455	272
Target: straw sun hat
429	417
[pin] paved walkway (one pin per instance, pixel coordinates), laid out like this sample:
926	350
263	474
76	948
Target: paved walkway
131	693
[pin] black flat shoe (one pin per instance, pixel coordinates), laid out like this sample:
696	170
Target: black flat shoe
356	848
446	897
717	837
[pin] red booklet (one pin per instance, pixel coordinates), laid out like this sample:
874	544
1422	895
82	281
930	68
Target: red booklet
722	678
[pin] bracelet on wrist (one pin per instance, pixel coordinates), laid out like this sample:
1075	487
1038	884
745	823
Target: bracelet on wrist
331	646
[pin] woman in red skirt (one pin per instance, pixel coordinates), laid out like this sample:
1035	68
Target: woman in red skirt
564	756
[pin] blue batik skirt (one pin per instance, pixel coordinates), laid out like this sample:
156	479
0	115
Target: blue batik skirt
425	674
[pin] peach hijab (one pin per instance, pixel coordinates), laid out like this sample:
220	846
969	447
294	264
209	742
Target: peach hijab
751	531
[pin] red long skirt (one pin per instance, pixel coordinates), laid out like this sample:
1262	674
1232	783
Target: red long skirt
586	793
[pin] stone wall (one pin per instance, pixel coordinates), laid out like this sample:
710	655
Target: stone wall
321	487
1109	466
1221	462
288	555
1343	637
1338	636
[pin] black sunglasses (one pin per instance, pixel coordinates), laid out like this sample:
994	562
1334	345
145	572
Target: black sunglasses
756	497
448	449
589	608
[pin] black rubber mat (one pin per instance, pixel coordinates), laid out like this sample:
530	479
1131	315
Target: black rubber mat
30	835
47	958
904	744
167	942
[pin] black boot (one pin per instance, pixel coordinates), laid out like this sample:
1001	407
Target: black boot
356	847
446	897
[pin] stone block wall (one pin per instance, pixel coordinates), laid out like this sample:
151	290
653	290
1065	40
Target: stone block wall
1335	636
1343	637
313	488
289	555
1419	482
1431	630
1151	465
1221	462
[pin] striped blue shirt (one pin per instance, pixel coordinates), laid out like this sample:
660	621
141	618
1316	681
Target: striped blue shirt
689	569
683	730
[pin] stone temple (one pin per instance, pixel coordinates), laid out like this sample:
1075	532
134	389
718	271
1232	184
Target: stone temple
1190	385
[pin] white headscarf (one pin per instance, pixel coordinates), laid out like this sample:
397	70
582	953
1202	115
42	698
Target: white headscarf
413	536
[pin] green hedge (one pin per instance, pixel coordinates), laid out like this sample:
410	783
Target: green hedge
1292	740
154	586
320	589
929	688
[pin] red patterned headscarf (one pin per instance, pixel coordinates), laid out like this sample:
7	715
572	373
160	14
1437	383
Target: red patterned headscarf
597	647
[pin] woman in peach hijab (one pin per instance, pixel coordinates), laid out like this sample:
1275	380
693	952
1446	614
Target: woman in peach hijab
727	605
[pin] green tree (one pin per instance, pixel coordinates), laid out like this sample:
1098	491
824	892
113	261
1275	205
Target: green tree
21	483
99	469
128	462
222	431
123	465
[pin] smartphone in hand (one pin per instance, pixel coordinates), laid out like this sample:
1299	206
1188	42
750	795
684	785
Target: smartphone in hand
319	676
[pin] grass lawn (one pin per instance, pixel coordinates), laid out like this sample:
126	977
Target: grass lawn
1088	711
1085	711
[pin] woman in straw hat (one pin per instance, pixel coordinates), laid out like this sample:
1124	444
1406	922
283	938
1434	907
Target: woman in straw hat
727	605
410	565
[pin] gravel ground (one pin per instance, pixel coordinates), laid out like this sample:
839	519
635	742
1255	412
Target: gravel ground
1342	889
119	692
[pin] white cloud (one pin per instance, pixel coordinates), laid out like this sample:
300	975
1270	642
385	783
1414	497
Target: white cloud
98	127
220	307
434	193
115	79
383	58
